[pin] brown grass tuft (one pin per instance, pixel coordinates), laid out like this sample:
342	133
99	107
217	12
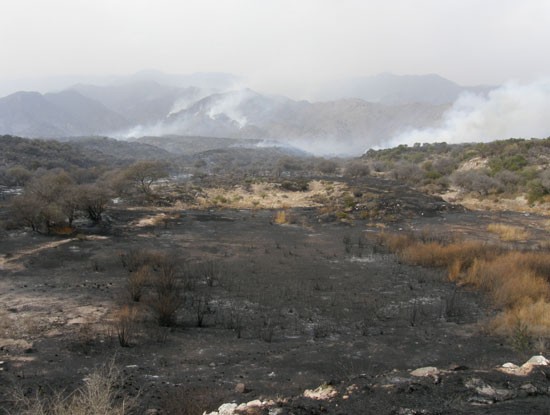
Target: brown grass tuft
100	394
534	315
137	281
281	217
125	324
396	242
508	233
458	254
518	283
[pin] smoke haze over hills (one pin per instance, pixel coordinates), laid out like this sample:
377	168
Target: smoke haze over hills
302	73
387	110
513	110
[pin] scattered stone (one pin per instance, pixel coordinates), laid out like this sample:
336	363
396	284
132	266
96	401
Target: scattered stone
323	392
529	388
537	361
456	367
255	403
241	388
426	371
276	411
409	411
479	400
227	409
488	391
526	368
152	411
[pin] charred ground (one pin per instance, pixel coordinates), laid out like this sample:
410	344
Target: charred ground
294	292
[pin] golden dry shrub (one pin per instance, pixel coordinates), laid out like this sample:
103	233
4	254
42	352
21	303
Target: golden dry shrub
396	242
508	233
101	393
534	315
137	281
124	321
524	286
508	278
434	254
281	217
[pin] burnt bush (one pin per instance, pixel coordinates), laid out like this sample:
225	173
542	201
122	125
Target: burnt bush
295	185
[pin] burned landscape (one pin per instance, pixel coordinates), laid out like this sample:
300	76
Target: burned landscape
293	285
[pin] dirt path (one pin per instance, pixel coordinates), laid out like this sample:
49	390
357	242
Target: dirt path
10	262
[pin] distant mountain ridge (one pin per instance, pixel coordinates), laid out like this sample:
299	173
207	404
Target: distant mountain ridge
60	114
388	88
370	111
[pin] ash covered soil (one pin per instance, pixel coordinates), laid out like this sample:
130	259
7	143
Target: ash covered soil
315	305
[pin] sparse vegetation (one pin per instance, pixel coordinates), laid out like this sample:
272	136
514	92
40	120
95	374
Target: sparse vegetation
507	168
186	277
508	232
100	394
516	282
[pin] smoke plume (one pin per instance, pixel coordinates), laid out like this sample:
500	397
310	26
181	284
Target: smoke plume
512	111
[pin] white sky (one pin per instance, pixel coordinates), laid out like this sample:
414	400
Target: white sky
278	45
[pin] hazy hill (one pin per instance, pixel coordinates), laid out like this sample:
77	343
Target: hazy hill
398	89
55	114
368	112
74	152
36	153
193	144
117	150
140	102
343	126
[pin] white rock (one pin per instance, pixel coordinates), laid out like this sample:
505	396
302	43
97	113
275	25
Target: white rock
254	403
425	371
227	409
510	366
538	361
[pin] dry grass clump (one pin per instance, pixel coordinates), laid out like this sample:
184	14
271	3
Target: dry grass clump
280	217
396	242
137	281
125	324
457	256
134	259
518	283
100	394
533	315
158	278
508	233
433	254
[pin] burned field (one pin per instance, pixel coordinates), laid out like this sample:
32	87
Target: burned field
201	307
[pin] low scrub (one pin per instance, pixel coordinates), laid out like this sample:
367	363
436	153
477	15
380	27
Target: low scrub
508	232
125	325
433	254
100	394
281	217
533	317
137	281
518	283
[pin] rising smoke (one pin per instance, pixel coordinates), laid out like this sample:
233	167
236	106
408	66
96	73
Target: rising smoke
512	111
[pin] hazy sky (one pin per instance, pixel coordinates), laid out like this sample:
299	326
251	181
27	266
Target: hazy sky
280	45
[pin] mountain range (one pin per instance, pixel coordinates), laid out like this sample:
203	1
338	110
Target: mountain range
357	114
